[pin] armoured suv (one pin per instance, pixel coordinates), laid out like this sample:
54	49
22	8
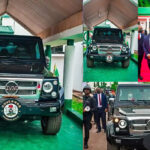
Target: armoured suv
108	46
129	124
28	91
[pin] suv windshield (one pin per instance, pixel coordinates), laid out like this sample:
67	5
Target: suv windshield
109	35
19	49
134	93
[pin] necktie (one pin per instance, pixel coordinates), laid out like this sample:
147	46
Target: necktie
100	103
139	36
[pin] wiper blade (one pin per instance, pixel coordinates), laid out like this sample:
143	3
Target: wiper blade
5	56
145	101
132	101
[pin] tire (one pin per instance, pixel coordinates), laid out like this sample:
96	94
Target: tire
51	125
90	63
125	63
112	146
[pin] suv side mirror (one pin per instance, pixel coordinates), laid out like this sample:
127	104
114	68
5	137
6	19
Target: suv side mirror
111	104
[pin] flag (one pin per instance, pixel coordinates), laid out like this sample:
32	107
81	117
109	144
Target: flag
55	72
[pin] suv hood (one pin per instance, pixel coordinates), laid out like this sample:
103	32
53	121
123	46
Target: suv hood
107	40
134	110
22	66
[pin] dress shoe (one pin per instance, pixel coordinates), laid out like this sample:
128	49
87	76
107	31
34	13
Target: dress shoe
85	146
140	77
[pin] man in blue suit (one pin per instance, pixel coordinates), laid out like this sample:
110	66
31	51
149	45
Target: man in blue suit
146	47
101	103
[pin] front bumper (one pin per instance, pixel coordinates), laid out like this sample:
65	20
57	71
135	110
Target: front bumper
33	109
102	57
128	141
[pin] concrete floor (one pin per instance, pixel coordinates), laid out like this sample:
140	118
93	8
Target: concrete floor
97	141
29	136
110	72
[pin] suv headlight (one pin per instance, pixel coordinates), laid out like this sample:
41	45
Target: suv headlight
55	82
123	49
47	87
54	94
94	47
122	124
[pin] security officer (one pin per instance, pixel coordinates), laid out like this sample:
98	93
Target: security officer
89	105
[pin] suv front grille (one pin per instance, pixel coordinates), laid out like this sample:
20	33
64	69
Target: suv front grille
111	48
139	126
23	87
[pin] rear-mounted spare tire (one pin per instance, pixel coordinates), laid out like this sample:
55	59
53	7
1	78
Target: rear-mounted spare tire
51	125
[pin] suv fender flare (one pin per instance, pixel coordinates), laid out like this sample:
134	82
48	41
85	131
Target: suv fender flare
109	130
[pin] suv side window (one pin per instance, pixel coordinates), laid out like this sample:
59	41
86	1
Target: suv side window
37	49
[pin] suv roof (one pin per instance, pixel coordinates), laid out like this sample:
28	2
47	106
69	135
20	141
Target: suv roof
132	85
98	27
20	36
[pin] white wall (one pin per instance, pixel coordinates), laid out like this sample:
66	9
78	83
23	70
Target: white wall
134	42
78	67
18	29
58	59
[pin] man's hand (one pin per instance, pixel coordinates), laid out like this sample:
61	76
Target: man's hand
148	56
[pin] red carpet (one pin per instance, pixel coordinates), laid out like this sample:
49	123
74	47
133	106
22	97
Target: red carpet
145	71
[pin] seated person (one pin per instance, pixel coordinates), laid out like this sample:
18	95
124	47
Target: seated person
130	97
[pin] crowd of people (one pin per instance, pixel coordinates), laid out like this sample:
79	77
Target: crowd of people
95	105
143	49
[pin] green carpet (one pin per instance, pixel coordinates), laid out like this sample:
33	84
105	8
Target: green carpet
144	3
110	72
29	136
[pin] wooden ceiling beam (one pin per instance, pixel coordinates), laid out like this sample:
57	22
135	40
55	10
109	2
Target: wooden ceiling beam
132	23
21	23
68	23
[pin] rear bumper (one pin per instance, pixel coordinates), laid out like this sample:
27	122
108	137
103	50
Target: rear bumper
102	57
34	109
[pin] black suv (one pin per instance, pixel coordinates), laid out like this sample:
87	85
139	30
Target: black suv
27	89
107	46
129	124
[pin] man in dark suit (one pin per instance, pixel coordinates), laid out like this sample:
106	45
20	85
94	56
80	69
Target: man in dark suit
89	106
146	47
101	102
140	50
